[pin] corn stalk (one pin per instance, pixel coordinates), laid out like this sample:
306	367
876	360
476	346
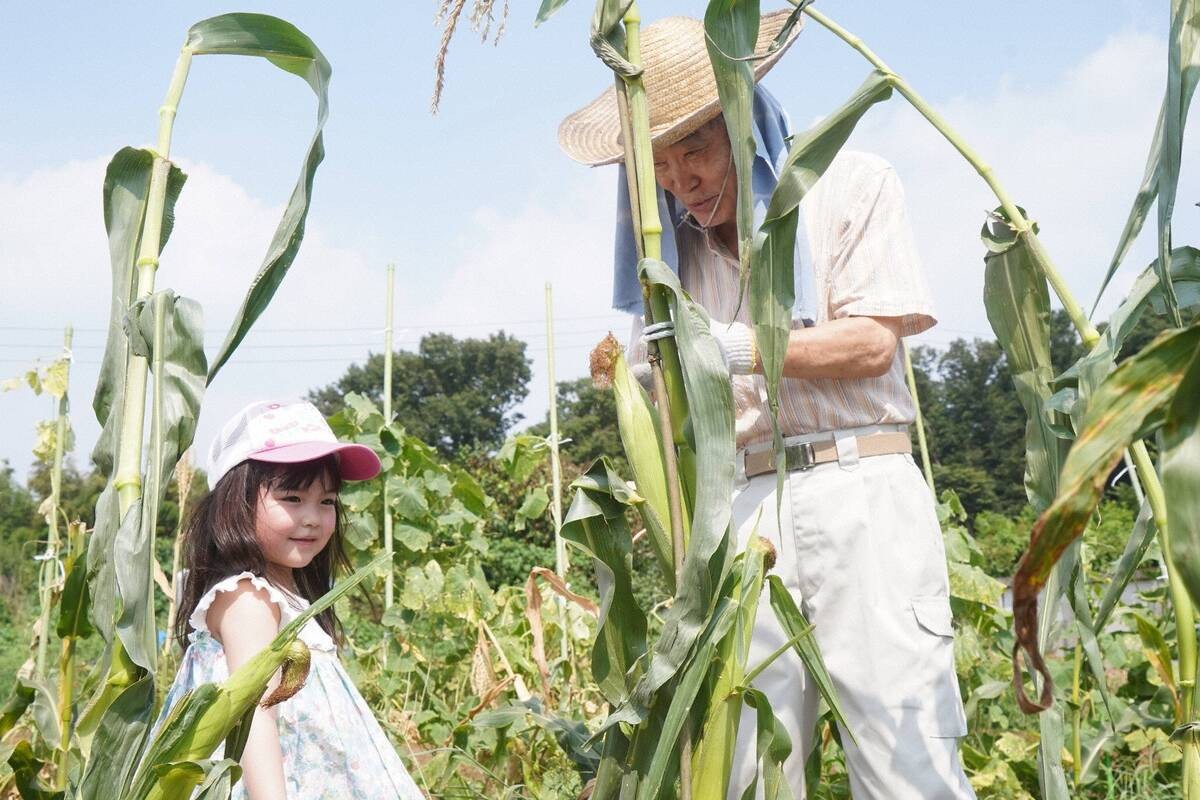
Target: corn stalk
158	334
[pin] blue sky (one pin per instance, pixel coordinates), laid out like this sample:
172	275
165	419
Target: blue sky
477	206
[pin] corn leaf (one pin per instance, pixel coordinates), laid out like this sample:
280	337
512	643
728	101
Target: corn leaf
1145	295
596	524
1181	477
731	31
118	741
35	696
773	746
794	625
1135	549
713	757
73	605
169	332
707	559
1161	179
288	48
126	191
665	759
547	9
26	767
772	275
1018	307
1134	395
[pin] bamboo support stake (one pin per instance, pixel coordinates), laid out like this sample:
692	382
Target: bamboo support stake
922	444
389	580
560	546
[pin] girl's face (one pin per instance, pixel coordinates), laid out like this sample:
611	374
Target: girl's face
294	525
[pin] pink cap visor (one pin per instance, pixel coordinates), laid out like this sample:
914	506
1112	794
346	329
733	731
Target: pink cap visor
356	462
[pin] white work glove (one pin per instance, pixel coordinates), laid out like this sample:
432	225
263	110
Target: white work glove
735	340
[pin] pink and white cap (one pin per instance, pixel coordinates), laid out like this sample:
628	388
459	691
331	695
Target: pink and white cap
287	432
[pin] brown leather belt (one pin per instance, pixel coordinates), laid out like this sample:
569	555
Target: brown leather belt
807	455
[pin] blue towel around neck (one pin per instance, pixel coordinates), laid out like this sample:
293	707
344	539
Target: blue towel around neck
771	131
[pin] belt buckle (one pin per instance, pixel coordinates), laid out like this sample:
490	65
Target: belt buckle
800	457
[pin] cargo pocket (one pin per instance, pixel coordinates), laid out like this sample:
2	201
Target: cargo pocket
940	703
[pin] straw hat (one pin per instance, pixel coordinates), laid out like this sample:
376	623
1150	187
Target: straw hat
680	88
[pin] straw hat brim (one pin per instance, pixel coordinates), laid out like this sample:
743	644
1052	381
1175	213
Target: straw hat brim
680	88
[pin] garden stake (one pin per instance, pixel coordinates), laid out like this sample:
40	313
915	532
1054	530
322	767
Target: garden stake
926	467
560	546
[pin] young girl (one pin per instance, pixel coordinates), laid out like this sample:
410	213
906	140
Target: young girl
263	543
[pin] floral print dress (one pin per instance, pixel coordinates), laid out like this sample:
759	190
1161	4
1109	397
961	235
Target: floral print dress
333	748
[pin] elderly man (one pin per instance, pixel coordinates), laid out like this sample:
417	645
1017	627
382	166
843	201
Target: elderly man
857	534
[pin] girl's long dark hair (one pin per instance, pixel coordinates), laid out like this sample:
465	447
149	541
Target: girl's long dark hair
219	538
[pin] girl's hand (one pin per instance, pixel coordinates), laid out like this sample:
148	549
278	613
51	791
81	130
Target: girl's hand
245	621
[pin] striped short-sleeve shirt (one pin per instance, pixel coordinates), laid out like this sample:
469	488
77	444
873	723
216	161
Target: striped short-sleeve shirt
864	263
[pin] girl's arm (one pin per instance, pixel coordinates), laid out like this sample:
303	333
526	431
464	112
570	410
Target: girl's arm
245	621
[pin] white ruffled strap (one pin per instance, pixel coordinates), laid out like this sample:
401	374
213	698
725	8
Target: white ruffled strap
199	618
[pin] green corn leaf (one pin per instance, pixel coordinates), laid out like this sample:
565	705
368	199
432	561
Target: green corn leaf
120	736
595	523
1136	546
772	276
1161	179
126	193
773	746
73	606
547	9
641	439
707	559
1018	307
713	759
1136	392
1181	476
1087	628
26	767
665	759
168	331
288	48
33	695
1051	778
794	624
1145	294
731	32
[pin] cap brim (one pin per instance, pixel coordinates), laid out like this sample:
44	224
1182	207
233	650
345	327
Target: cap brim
356	462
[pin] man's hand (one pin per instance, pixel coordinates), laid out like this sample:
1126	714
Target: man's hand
735	340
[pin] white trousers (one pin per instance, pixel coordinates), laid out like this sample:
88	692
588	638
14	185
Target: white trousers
860	548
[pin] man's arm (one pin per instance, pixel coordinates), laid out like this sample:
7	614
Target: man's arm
245	621
851	347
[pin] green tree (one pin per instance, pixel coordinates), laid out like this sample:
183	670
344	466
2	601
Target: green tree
455	394
587	416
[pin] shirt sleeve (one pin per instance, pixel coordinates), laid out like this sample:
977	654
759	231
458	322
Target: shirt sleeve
878	272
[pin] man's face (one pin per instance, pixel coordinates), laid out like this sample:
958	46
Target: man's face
696	169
